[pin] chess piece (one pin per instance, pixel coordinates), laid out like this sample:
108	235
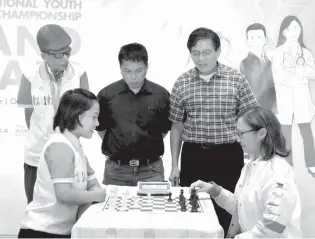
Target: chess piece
194	203
197	198
169	197
181	195
192	194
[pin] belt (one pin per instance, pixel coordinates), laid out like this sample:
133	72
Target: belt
208	145
135	162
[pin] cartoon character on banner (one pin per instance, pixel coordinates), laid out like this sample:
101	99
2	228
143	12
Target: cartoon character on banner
291	64
257	67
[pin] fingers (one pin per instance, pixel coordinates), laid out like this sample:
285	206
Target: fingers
174	181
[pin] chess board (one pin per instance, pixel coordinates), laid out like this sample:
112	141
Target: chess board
148	204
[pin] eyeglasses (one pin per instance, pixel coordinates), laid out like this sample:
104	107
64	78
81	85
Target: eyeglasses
240	134
60	55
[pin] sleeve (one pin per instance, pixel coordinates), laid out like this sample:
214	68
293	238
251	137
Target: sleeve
226	200
24	98
165	123
84	81
280	74
245	95
177	111
60	161
309	73
103	117
280	197
90	171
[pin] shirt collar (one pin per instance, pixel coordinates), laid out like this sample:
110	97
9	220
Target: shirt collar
195	72
146	87
73	139
67	74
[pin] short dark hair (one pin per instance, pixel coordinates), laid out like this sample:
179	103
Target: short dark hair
72	104
133	52
256	26
274	142
203	33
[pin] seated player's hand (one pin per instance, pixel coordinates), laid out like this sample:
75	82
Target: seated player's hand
201	186
174	176
100	194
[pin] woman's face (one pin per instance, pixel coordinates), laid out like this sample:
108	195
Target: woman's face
248	138
292	32
89	121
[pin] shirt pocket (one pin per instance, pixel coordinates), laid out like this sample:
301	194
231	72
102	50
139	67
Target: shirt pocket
225	103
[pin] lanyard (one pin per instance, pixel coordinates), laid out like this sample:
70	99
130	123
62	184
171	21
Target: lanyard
55	94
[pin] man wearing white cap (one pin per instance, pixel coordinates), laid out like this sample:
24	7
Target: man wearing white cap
40	92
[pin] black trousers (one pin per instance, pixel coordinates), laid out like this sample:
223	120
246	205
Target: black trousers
221	163
29	233
30	174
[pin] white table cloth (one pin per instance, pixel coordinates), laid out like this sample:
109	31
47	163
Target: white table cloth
99	223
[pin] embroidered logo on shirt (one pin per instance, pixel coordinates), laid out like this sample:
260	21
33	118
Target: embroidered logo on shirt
47	100
273	204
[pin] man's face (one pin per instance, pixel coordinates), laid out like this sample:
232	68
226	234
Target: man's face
256	39
134	73
204	56
57	62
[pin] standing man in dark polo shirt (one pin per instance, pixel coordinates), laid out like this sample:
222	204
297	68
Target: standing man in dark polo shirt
133	121
203	108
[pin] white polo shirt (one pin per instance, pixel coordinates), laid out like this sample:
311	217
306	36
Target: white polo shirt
45	213
42	93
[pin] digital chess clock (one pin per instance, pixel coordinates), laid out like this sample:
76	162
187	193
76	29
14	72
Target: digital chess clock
154	188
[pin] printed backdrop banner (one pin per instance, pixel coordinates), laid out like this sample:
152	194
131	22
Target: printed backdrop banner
98	29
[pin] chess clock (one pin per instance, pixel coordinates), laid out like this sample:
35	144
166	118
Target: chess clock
154	188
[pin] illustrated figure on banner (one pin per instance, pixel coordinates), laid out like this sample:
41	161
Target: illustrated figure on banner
257	67
291	64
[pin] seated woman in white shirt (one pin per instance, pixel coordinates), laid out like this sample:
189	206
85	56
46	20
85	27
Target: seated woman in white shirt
266	202
65	179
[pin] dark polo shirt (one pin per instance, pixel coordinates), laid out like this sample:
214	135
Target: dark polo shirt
134	123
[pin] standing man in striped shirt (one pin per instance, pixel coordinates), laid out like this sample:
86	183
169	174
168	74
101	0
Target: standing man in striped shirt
204	105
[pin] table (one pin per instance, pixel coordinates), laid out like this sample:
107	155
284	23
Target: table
99	223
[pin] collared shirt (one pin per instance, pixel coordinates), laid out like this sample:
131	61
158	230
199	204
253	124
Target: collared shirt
209	109
134	123
259	76
266	202
40	91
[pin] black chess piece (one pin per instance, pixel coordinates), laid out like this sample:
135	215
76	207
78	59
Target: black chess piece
194	203
197	199
181	195
169	197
